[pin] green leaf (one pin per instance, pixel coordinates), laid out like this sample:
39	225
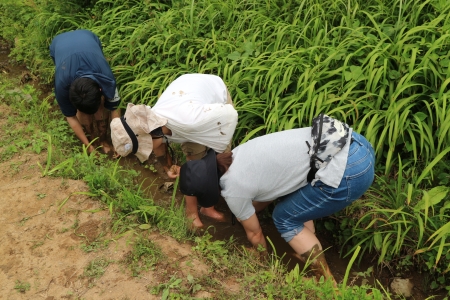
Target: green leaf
422	116
348	76
329	225
443	208
144	226
249	47
435	195
444	62
355	73
196	288
234	56
393	74
165	294
378	239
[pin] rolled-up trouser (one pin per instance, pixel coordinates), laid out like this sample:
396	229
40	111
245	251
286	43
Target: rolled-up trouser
313	202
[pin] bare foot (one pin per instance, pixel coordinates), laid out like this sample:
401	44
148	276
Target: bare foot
106	147
195	224
213	213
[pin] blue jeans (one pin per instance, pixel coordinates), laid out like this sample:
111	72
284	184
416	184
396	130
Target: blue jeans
313	202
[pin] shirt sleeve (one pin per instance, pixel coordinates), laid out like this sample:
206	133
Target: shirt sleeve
112	104
62	97
242	208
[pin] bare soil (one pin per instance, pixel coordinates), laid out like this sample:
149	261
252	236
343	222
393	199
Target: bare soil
40	240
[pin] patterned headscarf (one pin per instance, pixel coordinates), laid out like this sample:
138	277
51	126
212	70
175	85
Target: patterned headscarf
334	136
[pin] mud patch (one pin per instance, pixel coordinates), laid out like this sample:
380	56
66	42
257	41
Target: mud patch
88	231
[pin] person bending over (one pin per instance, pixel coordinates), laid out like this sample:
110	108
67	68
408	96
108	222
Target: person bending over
85	86
278	166
196	111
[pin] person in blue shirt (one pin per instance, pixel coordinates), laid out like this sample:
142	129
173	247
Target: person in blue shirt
85	86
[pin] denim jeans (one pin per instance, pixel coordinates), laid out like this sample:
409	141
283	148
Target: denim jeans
313	202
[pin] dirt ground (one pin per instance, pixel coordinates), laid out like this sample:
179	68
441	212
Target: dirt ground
40	240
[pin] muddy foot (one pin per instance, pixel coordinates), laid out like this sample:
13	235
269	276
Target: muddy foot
195	225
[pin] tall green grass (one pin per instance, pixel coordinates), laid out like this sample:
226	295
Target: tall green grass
380	66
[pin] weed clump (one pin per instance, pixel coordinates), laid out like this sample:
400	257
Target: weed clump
22	286
144	256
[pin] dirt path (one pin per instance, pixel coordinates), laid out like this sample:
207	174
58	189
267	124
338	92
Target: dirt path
45	246
42	246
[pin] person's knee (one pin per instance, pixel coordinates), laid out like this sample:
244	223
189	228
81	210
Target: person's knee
290	234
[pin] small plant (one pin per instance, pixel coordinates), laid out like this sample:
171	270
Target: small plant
15	167
95	246
22	286
96	268
167	288
144	256
41	195
37	244
75	224
64	230
214	251
151	167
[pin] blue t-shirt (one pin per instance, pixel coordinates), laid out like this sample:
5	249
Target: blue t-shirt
79	54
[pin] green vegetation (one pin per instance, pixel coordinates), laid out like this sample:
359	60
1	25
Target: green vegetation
144	256
96	245
382	66
96	268
22	286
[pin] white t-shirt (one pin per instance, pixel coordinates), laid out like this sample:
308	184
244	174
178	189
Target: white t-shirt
196	111
271	166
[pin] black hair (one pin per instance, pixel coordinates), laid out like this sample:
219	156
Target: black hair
85	95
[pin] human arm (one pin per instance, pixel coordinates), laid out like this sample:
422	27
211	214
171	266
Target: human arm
160	150
254	231
115	113
79	132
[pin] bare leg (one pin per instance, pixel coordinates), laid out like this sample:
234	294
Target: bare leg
87	122
192	212
259	206
308	246
310	226
102	123
213	213
102	133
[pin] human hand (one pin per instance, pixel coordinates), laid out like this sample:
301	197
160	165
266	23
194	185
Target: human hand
106	148
174	171
94	153
115	155
91	149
